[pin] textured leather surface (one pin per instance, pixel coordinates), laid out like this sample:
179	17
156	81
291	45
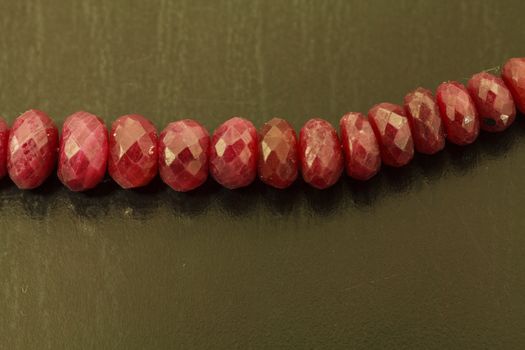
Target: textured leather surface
431	256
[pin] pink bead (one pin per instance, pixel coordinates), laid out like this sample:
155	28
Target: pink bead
278	161
183	155
83	153
234	153
393	133
133	152
361	150
493	101
458	113
320	153
32	149
513	74
425	122
4	137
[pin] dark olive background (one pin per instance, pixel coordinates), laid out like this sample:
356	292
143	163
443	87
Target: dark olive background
428	256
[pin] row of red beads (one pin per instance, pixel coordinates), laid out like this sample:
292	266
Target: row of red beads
184	153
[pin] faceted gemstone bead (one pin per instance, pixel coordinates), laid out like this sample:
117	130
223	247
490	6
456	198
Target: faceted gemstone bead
513	74
393	133
4	136
425	123
234	153
133	151
278	153
83	153
361	150
493	101
458	113
32	149
320	154
183	155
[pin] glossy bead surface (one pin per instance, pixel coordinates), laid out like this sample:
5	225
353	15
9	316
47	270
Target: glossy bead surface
458	113
361	150
493	101
183	155
32	149
513	73
4	137
83	153
393	134
425	123
133	151
320	153
278	160
234	153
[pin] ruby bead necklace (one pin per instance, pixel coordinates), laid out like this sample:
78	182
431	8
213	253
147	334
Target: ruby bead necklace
235	154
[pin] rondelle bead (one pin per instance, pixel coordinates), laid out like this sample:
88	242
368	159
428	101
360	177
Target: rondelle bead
234	153
278	161
513	74
133	151
4	136
493	101
83	153
361	150
32	149
320	154
393	134
458	113
425	123
183	155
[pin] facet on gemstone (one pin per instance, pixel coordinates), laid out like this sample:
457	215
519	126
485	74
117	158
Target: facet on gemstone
234	153
32	149
83	151
361	150
393	134
183	155
458	113
133	151
320	153
493	101
4	138
425	122
278	163
513	73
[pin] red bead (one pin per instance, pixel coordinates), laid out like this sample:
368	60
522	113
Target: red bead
458	113
493	101
361	150
425	123
4	136
320	154
278	153
133	152
393	133
32	149
183	155
83	153
513	74
234	153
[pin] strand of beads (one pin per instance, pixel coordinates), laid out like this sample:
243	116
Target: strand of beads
184	153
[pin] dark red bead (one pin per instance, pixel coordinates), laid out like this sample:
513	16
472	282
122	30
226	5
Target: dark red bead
234	153
425	123
392	130
4	137
458	113
513	74
278	157
361	150
83	154
133	151
183	155
320	153
32	149
493	101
